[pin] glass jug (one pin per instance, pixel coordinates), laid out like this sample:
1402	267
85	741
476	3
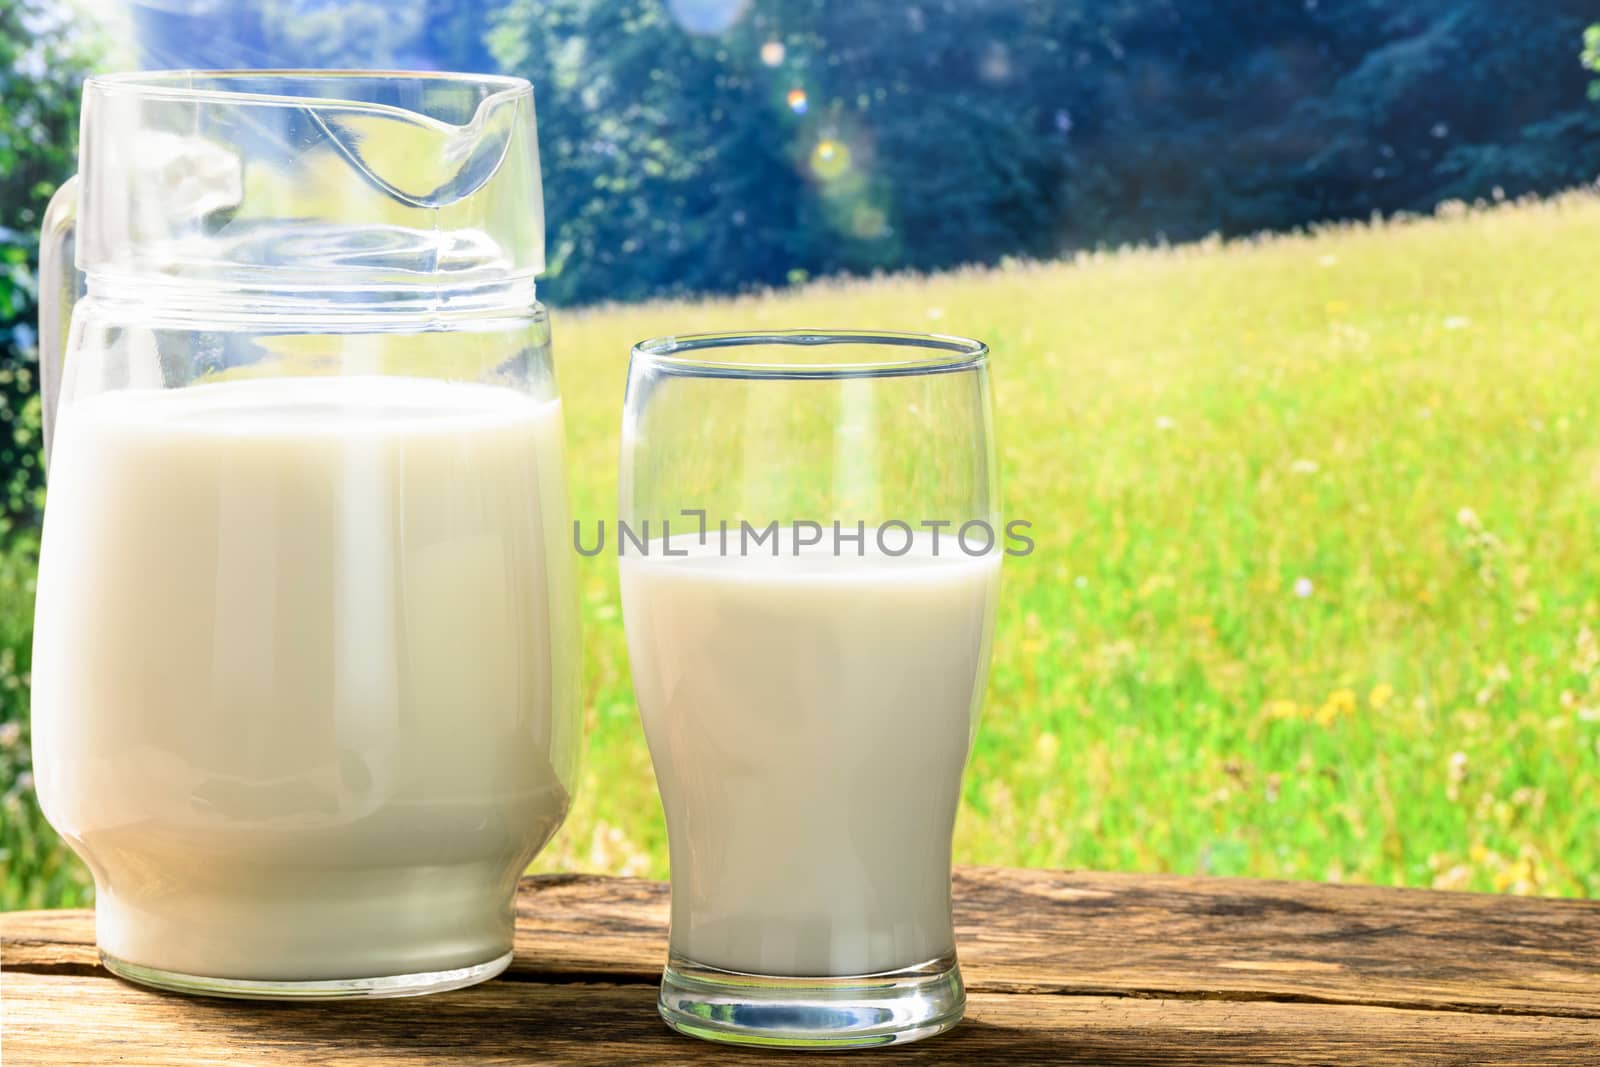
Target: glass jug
306	652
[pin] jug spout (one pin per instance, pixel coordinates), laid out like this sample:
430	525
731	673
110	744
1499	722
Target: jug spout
418	159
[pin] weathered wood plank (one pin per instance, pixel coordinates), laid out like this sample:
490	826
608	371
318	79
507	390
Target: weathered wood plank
47	939
1157	935
58	1019
1087	933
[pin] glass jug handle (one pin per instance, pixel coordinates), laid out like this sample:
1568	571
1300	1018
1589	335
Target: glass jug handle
60	285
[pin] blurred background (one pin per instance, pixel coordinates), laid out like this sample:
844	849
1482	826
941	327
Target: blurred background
1295	349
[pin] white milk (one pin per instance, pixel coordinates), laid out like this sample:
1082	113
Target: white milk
305	669
809	719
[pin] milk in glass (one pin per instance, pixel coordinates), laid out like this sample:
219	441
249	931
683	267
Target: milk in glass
809	718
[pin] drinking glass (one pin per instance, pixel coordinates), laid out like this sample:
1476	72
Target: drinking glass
809	561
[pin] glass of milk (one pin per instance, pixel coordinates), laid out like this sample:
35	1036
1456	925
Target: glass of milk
810	559
306	652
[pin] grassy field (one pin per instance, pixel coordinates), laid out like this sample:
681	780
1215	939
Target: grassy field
1315	593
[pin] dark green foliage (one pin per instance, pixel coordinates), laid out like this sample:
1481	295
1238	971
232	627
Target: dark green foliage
41	64
667	159
41	60
944	132
980	128
36	870
1591	57
676	162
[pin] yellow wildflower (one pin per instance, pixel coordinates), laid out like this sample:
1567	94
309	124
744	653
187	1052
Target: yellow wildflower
1339	702
1277	710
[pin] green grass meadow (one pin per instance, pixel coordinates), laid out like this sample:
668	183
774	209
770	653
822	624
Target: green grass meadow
1315	592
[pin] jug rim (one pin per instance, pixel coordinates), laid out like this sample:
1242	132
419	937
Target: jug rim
169	85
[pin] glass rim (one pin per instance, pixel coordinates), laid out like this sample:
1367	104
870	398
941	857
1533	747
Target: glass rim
927	353
175	84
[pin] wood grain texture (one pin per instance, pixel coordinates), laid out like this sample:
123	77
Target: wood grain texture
1064	967
57	1019
1115	934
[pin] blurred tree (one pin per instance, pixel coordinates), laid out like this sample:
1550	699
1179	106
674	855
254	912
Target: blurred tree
43	56
1222	116
698	145
666	155
949	117
724	144
1456	100
1590	57
806	138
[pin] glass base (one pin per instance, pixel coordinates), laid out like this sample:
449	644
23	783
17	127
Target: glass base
815	1013
389	985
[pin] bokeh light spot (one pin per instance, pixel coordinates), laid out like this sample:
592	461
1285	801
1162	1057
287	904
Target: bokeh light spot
797	101
830	159
704	17
995	66
772	53
868	222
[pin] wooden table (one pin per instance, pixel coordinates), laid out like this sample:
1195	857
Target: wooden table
1062	968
